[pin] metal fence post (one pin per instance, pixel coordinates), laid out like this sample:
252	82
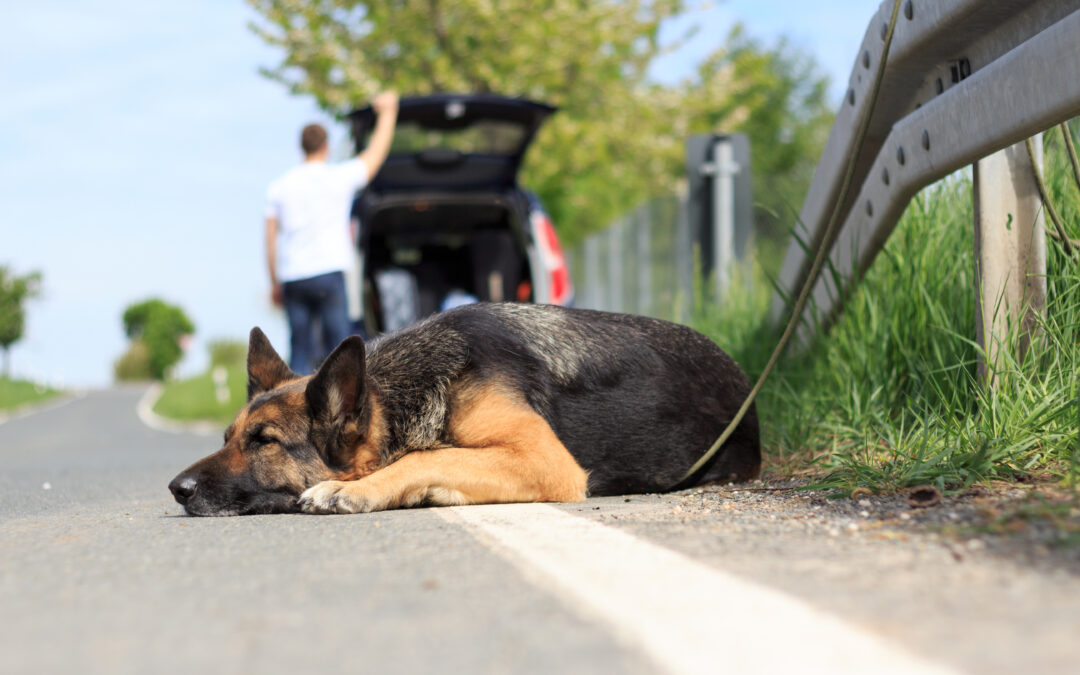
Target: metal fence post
615	266
594	293
1010	253
683	295
646	302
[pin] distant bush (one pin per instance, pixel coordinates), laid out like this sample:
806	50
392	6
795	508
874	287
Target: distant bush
134	365
14	291
160	327
228	353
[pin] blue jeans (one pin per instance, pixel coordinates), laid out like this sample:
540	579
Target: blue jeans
318	319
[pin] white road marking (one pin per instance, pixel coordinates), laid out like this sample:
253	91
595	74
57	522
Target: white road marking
145	410
685	616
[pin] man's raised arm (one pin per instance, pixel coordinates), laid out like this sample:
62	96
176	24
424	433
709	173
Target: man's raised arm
276	293
385	106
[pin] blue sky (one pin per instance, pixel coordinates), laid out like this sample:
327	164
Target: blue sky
137	141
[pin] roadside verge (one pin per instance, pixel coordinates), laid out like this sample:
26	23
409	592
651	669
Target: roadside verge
28	409
145	410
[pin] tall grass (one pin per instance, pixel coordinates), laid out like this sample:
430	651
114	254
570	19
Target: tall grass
890	396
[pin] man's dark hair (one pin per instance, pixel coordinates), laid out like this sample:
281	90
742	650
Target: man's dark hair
312	138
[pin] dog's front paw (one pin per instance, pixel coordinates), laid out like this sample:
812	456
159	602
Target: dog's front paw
334	496
320	497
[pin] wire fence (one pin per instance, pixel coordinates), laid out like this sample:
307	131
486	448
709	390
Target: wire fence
641	264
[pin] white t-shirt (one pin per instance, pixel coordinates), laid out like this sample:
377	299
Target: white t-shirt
312	202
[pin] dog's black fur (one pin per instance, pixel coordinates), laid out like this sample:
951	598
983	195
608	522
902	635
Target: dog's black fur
636	401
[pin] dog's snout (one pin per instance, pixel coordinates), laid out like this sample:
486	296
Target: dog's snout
183	487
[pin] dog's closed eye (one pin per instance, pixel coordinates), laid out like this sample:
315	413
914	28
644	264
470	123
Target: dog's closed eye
261	435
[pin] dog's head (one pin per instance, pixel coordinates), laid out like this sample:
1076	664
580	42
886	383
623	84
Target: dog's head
293	433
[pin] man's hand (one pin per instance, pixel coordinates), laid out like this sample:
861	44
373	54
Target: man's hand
277	295
386	102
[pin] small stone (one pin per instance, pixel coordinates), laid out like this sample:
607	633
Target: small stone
905	516
864	514
46	486
923	496
864	502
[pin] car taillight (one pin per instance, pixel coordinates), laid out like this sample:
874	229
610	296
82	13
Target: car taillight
559	287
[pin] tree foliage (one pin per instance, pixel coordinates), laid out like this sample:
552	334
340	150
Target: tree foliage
156	327
14	291
776	96
618	138
134	364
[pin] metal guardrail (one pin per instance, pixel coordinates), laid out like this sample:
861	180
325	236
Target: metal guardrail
965	78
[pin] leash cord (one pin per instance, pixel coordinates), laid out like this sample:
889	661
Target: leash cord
1044	194
819	259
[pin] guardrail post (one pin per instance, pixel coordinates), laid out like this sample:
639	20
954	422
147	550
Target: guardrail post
1010	253
723	170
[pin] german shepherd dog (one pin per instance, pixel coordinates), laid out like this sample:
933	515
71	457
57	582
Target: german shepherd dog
485	403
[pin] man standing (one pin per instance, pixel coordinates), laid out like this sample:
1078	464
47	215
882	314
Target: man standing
308	240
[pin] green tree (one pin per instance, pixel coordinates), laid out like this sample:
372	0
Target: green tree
14	291
777	96
618	138
156	327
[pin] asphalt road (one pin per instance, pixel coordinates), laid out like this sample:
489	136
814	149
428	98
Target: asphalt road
101	572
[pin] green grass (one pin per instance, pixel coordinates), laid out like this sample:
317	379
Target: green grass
194	399
890	397
14	393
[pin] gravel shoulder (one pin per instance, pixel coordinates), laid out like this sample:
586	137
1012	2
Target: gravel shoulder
939	580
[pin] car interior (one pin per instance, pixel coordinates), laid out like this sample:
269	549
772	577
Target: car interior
424	256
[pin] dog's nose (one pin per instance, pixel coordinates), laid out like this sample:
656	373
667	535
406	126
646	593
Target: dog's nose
183	487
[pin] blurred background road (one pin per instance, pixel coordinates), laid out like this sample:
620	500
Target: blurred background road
101	572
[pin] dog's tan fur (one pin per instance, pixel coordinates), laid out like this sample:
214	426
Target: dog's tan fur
504	452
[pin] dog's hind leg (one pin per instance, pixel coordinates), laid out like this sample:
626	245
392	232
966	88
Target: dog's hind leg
506	453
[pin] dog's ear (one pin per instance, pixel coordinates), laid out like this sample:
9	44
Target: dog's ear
265	368
335	394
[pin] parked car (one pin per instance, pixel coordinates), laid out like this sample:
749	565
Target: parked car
444	222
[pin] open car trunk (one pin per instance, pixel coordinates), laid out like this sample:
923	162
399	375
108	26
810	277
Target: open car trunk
424	255
444	222
454	141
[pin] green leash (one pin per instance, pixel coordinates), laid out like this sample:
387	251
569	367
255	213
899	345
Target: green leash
819	259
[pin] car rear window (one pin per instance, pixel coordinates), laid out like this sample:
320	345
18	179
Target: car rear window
480	137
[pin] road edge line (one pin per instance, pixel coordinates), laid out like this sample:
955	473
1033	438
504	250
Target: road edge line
684	615
144	409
